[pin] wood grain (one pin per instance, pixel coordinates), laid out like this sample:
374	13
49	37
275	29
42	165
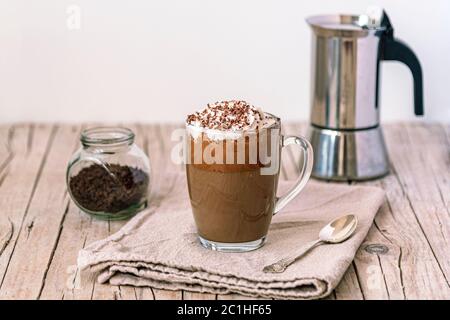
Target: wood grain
405	255
29	146
39	235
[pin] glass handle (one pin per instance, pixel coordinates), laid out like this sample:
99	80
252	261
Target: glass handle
306	168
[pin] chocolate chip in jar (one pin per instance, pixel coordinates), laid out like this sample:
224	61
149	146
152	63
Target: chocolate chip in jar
109	176
110	188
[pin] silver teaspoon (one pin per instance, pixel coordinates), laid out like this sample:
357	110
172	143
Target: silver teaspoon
336	231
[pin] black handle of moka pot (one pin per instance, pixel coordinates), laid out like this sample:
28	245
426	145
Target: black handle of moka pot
394	49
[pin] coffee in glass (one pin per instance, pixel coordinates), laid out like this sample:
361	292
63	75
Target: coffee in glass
233	165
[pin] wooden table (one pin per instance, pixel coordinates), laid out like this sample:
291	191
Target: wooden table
405	256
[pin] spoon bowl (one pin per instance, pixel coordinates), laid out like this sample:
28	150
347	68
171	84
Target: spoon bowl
339	230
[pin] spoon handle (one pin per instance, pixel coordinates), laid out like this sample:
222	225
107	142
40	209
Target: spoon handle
281	265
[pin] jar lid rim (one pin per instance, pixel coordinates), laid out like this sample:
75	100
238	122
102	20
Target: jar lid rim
106	135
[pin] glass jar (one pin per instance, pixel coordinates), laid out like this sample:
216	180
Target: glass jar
109	176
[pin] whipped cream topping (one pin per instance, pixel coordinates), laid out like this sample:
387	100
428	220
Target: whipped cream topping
233	115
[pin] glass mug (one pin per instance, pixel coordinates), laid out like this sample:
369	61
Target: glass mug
232	182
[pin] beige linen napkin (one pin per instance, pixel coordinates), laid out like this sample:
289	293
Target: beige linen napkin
159	247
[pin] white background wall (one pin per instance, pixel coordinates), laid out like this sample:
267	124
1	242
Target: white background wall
158	60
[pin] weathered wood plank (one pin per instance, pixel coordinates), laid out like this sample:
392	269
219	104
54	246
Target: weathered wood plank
368	268
349	287
387	262
396	273
446	128
64	280
436	158
144	293
419	157
379	275
79	230
167	294
6	155
413	226
29	145
6	134
80	285
28	268
187	295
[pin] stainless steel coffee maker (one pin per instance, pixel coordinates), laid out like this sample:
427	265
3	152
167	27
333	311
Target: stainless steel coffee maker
345	107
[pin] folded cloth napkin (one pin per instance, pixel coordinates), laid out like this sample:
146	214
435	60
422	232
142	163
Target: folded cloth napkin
159	246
